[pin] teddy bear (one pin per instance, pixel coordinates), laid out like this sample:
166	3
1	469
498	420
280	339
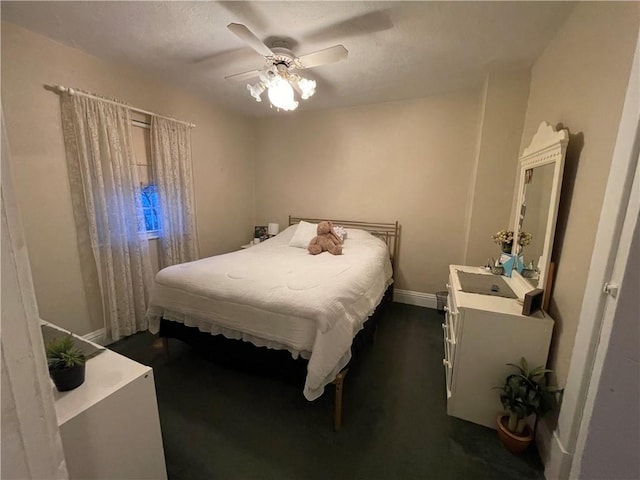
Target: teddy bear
326	240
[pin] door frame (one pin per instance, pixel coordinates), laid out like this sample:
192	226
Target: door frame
31	442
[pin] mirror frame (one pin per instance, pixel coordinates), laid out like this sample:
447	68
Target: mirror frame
548	146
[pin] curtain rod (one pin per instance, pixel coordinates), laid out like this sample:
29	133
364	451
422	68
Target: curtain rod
71	91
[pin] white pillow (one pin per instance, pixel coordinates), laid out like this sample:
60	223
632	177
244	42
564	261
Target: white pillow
304	233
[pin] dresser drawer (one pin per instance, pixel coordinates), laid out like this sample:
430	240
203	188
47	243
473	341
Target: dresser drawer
452	306
449	337
448	359
452	313
448	375
453	323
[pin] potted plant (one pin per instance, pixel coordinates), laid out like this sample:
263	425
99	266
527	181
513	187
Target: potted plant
523	394
66	363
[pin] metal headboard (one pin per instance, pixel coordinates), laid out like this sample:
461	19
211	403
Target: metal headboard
389	233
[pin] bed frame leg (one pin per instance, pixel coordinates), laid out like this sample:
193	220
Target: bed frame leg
337	415
162	344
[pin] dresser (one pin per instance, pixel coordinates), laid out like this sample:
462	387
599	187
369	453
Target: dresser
109	425
482	333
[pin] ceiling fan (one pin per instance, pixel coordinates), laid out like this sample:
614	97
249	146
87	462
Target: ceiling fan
279	75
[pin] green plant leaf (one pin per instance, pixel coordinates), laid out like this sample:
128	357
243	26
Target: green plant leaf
526	392
541	370
525	366
62	353
516	366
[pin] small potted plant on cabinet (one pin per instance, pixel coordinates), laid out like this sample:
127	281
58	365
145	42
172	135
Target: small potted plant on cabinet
524	393
66	363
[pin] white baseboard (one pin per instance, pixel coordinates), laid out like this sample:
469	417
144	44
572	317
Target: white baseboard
554	457
96	336
419	299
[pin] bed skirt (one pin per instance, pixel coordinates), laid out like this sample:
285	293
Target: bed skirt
246	356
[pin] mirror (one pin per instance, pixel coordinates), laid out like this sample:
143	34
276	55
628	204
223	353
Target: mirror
538	196
535	211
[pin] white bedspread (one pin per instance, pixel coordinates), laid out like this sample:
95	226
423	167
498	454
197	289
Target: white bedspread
281	297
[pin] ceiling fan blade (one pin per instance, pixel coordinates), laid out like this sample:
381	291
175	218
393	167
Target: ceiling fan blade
322	57
249	37
246	11
241	77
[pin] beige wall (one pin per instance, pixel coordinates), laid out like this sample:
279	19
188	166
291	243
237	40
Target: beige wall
221	147
504	104
580	82
409	161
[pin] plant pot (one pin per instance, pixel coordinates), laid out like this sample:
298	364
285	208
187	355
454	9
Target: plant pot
66	379
513	442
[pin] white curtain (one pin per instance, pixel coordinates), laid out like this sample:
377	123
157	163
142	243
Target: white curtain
107	207
171	165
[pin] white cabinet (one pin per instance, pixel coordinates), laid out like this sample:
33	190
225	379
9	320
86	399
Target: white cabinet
482	333
109	425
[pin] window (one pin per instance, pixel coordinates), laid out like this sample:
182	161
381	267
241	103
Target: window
150	206
148	191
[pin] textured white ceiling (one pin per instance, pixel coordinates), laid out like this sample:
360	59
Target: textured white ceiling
397	50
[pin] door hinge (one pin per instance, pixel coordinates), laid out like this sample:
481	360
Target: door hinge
611	289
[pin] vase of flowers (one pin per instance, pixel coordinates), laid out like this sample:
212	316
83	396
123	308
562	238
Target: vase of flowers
524	238
504	238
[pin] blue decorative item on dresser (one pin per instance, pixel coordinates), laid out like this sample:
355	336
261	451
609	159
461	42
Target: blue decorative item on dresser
511	262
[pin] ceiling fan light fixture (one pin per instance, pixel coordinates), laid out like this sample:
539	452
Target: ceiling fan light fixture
269	75
256	90
307	87
278	76
281	94
279	83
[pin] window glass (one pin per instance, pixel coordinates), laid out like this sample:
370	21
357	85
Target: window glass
150	207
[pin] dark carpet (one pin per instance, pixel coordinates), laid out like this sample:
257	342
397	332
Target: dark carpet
223	419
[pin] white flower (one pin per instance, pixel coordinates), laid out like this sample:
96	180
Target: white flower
506	237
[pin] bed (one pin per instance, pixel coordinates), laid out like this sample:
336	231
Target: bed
277	295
